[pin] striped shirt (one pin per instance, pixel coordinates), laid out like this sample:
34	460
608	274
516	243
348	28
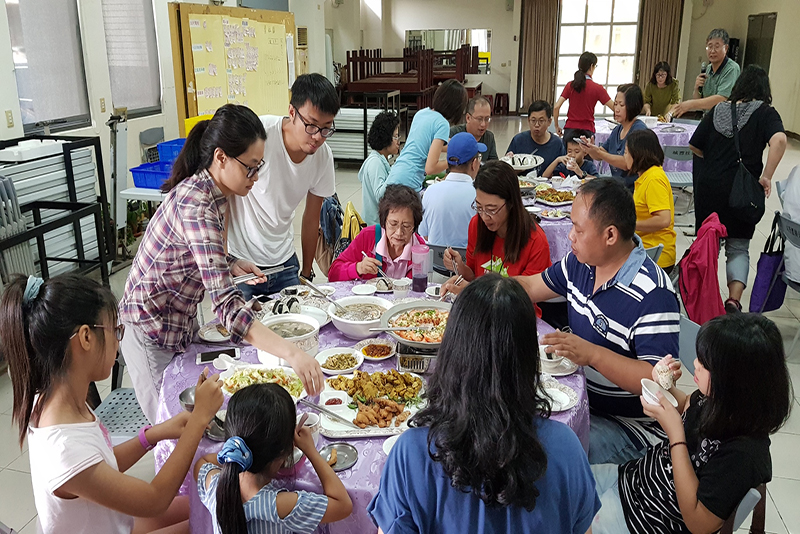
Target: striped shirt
261	511
635	314
181	257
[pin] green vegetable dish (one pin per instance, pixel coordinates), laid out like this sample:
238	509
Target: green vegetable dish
254	375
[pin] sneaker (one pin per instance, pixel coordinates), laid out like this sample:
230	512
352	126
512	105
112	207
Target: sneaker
733	306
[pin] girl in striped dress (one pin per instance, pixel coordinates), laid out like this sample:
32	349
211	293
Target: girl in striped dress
236	484
718	437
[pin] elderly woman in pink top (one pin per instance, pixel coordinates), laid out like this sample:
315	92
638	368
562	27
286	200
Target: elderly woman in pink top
387	244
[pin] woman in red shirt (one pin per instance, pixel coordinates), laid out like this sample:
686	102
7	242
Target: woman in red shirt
503	238
583	93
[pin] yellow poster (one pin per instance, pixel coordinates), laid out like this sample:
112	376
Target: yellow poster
209	63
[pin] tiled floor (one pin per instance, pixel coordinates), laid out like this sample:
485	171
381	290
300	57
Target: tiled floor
783	515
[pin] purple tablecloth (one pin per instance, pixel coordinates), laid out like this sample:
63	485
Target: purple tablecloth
363	479
603	131
557	232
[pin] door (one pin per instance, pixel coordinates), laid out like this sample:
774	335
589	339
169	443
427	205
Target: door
760	35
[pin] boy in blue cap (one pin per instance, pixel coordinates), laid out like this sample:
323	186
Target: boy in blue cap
447	205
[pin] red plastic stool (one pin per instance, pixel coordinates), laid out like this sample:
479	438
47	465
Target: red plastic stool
490	99
501	104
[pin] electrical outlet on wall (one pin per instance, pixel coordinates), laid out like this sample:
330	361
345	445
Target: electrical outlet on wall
9	118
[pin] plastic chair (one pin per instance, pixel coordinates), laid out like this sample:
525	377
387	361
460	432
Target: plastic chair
790	230
755	501
655	252
681	180
687	339
438	258
121	414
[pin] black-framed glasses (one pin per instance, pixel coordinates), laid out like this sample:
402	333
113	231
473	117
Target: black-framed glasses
489	213
251	171
312	129
119	330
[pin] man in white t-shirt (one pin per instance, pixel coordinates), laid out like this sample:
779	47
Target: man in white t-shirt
298	165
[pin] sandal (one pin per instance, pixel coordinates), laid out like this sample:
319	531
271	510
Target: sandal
733	306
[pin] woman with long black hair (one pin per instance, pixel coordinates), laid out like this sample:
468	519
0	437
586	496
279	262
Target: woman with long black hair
484	451
183	255
583	93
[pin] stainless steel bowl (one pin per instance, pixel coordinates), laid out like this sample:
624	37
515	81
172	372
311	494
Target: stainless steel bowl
186	398
418	305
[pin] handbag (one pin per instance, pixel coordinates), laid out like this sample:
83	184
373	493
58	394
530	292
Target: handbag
747	197
769	289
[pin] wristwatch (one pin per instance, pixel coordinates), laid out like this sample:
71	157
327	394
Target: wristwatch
583	174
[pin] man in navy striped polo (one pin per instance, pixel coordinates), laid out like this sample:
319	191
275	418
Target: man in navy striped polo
623	313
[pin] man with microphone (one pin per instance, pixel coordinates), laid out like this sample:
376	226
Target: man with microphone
715	81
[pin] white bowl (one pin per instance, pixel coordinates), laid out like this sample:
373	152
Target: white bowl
308	343
536	210
323	356
549	365
364	289
357	329
649	121
649	392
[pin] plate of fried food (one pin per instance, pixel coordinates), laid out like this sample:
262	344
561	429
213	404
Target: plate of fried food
379	403
554	198
339	360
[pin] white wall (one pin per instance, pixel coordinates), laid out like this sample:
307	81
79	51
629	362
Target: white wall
310	13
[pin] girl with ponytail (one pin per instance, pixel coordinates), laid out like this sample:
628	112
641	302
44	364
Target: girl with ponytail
583	93
59	336
235	484
183	254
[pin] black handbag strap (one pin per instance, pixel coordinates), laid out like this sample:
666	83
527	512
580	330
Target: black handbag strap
735	130
775	237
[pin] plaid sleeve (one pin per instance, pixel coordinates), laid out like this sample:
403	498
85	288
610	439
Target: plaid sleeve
203	231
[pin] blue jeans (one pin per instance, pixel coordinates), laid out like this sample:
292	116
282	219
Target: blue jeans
609	444
611	518
275	282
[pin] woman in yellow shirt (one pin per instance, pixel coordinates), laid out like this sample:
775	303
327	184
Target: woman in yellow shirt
652	195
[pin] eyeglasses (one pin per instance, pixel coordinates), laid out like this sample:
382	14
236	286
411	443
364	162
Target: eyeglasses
714	48
119	330
538	122
486	212
251	171
480	120
312	129
395	225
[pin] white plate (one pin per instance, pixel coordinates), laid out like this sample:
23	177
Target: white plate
559	399
321	316
548	218
534	161
231	370
374	282
433	291
389	443
210	334
361	344
305	291
364	289
536	210
323	356
558	392
554	204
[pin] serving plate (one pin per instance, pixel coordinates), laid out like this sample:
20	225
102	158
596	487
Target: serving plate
559	393
335	430
210	334
233	369
532	161
323	356
374	282
317	313
361	344
402	308
554	204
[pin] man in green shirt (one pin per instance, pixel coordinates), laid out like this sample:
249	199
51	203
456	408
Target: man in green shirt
715	84
479	115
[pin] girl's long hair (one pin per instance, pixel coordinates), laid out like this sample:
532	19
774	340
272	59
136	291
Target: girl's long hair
483	399
585	63
750	391
263	415
232	129
36	335
498	178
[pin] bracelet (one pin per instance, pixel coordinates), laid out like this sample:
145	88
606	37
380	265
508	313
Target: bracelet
143	439
678	443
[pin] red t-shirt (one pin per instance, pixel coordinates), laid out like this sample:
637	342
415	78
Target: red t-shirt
581	105
533	259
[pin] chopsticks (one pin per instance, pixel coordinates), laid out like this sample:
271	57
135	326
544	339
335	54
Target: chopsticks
380	271
250	276
327	412
458	281
321	293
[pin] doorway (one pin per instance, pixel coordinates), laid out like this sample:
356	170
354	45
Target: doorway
760	35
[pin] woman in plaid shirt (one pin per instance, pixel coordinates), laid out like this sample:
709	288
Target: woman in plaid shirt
183	255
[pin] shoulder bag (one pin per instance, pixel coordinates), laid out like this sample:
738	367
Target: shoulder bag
747	198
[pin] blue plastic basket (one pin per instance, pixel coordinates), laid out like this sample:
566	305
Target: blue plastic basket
168	151
151	175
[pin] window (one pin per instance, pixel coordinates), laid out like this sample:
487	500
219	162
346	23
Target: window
48	64
132	55
608	28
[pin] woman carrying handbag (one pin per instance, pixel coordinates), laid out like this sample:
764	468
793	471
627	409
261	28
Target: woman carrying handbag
729	143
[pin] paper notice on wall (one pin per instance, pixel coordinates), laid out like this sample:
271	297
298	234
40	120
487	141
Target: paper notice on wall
204	30
290	57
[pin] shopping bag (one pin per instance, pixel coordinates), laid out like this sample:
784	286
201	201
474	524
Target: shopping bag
770	267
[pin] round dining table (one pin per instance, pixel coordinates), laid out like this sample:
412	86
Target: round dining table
363	479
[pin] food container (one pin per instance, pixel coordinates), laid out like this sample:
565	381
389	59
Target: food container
308	343
649	121
357	329
402	308
549	364
650	393
401	287
186	398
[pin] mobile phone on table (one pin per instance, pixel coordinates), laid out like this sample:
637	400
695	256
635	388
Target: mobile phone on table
211	355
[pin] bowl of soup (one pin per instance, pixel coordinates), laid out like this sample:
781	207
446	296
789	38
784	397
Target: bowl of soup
302	330
359	315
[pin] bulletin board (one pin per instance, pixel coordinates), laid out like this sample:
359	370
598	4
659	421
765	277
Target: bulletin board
231	55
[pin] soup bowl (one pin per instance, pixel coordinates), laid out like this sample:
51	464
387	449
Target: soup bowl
358	329
309	342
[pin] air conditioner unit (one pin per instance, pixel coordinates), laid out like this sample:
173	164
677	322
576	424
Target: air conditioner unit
302	37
